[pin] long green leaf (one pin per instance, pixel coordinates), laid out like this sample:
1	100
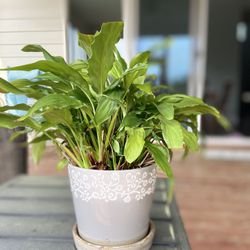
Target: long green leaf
8	121
11	121
185	101
105	109
53	101
119	66
145	87
172	133
161	157
135	75
198	110
85	41
7	87
41	138
166	110
140	58
131	120
57	86
190	140
102	58
61	70
57	116
24	107
134	144
37	151
47	55
17	134
62	164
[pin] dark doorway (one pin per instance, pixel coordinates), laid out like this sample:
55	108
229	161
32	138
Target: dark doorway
244	127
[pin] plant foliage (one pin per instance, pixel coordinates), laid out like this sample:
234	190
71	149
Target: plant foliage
101	113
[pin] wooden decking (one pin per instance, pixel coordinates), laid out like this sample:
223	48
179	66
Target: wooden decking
213	197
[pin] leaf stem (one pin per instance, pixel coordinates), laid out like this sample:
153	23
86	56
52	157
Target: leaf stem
111	128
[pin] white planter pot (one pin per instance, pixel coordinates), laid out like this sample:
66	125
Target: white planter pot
112	207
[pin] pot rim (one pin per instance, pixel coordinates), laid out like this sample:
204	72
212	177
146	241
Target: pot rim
110	171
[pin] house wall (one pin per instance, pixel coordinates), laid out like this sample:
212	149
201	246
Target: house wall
27	22
31	22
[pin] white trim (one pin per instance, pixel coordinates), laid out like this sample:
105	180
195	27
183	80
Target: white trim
232	155
241	141
65	7
130	16
198	29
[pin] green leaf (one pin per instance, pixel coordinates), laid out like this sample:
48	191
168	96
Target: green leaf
172	133
116	147
8	121
85	41
11	121
58	69
17	134
120	60
140	58
106	107
166	110
146	87
6	87
161	157
57	86
190	140
41	138
115	94
62	164
102	58
185	101
54	101
81	66
137	72
130	120
224	122
24	107
134	144
189	105
57	116
119	66
198	110
47	55
61	70
37	151
135	75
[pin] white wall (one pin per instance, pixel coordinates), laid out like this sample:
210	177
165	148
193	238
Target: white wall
31	22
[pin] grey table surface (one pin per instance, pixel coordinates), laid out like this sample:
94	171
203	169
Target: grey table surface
36	213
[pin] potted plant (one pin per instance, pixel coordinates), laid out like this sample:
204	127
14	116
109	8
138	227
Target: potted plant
110	128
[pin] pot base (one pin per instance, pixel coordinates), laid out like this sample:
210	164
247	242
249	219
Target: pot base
143	244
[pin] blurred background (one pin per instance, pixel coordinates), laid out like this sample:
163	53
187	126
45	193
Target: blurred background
198	47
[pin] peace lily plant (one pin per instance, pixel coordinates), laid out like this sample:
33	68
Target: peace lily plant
101	113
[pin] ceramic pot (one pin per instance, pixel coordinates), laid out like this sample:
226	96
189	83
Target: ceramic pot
112	207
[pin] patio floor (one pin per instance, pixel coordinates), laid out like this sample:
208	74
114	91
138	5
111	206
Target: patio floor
213	197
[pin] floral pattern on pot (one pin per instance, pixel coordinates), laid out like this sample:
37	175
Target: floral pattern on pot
113	186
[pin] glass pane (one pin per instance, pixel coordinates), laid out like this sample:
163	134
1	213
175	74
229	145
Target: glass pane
228	65
87	16
164	31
